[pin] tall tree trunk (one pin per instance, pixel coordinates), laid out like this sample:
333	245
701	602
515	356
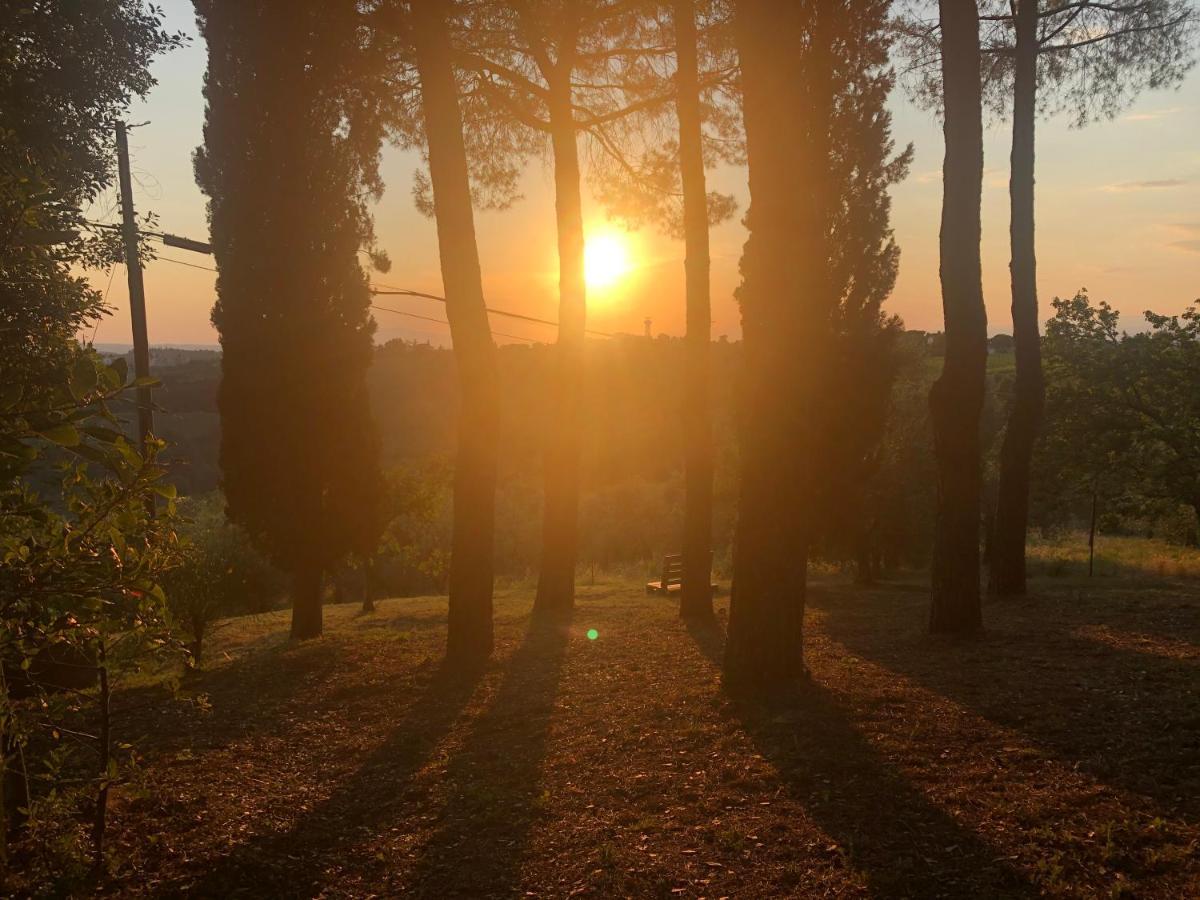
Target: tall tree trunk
784	327
956	400
560	517
469	634
1006	571
306	603
695	599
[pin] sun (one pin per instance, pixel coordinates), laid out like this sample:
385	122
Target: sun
605	260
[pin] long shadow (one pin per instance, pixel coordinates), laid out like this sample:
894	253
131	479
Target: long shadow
293	863
265	682
492	785
884	827
1127	718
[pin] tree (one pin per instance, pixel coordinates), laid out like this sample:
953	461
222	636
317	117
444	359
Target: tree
289	162
80	559
956	400
558	68
695	600
786	304
1096	55
862	261
469	636
1089	59
1125	405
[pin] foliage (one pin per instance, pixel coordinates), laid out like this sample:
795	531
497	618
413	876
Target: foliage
298	448
80	555
1124	417
220	573
1094	58
80	600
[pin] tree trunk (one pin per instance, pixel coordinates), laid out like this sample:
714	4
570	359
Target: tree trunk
956	400
469	634
368	585
1006	572
695	596
1092	538
560	514
785	335
306	603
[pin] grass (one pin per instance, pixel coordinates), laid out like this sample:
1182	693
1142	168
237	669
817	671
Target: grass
1067	555
1057	754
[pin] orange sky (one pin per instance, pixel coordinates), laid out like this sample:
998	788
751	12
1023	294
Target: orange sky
1118	212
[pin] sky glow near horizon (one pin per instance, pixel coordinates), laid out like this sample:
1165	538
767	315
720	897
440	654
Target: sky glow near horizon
1118	207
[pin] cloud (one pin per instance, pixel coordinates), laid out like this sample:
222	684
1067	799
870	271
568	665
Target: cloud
1151	185
1152	115
1187	246
1186	227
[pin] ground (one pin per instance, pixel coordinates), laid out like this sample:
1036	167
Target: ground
1057	754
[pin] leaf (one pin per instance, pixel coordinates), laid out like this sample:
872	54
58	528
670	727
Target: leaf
121	367
64	435
83	377
100	433
146	381
165	489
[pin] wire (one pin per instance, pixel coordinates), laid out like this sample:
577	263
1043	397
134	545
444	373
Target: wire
403	292
442	322
180	262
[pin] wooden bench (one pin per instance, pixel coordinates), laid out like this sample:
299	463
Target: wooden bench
672	575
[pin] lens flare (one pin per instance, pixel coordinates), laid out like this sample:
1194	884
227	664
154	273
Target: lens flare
593	634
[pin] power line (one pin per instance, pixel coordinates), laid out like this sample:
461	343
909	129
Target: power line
411	315
403	292
180	262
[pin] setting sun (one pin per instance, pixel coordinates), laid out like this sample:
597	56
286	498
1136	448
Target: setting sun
606	260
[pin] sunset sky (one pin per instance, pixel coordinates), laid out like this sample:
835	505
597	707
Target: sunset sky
1118	212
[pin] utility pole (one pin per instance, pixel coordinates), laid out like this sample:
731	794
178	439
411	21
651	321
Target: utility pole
137	291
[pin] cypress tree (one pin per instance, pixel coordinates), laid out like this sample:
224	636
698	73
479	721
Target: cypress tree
287	168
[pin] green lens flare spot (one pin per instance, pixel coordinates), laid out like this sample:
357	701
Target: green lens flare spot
593	634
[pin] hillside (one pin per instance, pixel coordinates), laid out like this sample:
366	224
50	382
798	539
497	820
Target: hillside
1055	755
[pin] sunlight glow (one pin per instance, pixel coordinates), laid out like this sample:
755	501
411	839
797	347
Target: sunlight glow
606	260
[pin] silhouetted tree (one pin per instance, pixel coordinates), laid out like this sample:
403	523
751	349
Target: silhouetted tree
695	599
469	637
556	66
786	304
956	400
1090	60
863	259
288	164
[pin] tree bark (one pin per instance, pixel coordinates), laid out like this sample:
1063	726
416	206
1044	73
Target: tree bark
956	400
1006	572
695	596
785	334
472	554
1092	537
368	585
560	513
306	603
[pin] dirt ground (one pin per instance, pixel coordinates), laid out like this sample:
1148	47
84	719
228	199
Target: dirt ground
1057	754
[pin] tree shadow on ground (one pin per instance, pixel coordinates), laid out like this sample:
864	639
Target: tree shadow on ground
1128	718
294	863
268	680
881	824
492	795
